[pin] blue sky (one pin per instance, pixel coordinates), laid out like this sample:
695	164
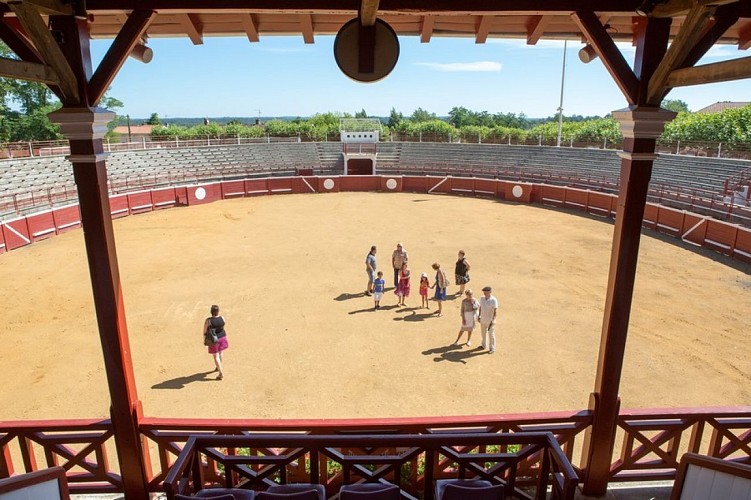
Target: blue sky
282	76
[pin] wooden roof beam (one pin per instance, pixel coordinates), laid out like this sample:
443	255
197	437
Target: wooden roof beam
426	28
536	28
306	27
368	12
250	26
22	70
130	34
690	33
192	28
744	37
48	49
611	57
52	7
724	71
483	28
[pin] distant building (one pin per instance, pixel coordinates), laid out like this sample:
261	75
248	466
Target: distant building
722	106
137	132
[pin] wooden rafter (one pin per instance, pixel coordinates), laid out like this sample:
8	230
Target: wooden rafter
483	28
52	7
744	38
192	28
426	28
689	34
250	26
18	43
611	57
724	71
306	27
723	19
22	70
676	8
48	49
368	12
130	34
536	28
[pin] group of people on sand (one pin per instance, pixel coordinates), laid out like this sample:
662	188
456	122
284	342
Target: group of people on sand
472	311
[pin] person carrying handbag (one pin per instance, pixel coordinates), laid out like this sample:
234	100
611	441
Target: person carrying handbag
215	323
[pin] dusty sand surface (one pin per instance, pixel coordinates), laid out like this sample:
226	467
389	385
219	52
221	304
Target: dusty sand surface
288	272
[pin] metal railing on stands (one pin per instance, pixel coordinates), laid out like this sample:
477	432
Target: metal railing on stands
684	148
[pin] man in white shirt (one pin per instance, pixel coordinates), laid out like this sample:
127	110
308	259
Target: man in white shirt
488	311
398	258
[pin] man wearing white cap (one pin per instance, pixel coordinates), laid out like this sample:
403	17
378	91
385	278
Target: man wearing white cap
488	311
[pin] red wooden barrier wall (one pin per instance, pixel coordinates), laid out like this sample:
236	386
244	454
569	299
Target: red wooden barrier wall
725	238
41	225
67	218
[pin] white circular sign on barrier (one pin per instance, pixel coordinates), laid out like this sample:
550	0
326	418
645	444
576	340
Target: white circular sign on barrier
328	184
391	184
200	193
517	191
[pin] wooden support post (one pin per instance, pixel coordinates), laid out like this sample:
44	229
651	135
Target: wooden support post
641	126
85	128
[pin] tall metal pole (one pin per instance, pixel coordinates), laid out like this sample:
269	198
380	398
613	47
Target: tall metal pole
127	117
560	105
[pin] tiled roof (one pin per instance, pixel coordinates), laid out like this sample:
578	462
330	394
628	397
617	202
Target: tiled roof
722	106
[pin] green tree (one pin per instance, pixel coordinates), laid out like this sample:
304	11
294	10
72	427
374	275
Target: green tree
420	115
675	105
461	117
361	114
395	118
154	119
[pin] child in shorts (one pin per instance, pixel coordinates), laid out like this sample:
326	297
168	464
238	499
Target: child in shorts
424	285
378	285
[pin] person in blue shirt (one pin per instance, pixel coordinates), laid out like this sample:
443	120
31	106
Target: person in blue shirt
378	286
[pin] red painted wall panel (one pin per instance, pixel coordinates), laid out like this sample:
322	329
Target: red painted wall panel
742	249
694	228
650	216
720	236
140	202
41	225
553	195
486	187
520	192
328	184
119	206
462	185
576	199
2	241
233	189
391	183
181	194
304	185
16	234
359	183
418	184
600	204
163	198
255	187
280	185
440	184
66	218
669	221
205	193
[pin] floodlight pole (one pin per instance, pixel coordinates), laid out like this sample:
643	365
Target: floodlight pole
560	105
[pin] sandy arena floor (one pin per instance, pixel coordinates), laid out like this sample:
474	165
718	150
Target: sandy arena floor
288	272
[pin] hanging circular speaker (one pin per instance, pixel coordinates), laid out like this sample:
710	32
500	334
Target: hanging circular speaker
366	53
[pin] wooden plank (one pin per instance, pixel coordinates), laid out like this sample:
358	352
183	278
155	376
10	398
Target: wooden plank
483	28
22	70
130	34
48	49
536	28
306	27
744	37
724	71
688	36
52	7
192	28
606	49
250	26
368	12
426	29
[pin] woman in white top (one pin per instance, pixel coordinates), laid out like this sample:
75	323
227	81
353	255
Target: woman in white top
468	312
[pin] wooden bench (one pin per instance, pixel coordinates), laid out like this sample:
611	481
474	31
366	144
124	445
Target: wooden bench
707	478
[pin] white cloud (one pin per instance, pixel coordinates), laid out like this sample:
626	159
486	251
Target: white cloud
469	67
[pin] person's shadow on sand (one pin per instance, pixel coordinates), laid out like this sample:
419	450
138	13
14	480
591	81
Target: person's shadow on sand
413	315
181	382
347	296
454	353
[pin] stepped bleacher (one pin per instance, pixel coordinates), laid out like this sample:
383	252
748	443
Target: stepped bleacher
584	168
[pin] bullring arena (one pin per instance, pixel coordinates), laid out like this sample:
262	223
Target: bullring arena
283	255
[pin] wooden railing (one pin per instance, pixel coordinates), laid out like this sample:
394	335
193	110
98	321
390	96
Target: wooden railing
525	463
651	441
